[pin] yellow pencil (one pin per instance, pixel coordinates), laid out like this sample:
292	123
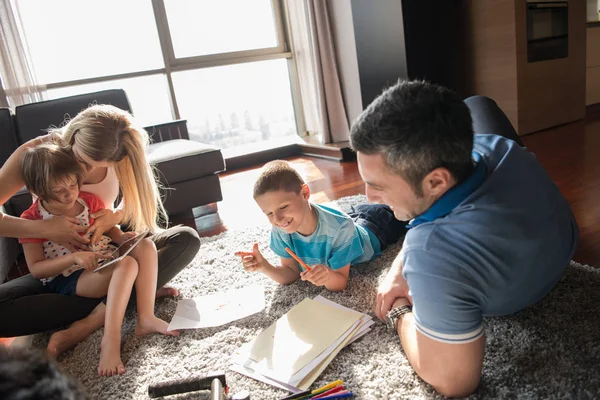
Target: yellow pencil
291	253
328	386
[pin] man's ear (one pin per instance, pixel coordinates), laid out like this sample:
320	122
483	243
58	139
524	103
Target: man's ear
438	182
305	191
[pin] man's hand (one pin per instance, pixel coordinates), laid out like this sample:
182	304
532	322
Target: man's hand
65	230
394	286
253	261
104	220
87	259
318	275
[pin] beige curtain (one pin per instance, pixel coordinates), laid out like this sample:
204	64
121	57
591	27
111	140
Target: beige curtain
319	79
16	69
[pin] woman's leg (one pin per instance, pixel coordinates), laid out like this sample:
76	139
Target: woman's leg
27	307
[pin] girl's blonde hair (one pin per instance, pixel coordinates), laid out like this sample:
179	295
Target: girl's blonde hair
106	133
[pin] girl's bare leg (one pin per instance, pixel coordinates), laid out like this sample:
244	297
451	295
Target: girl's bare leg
145	291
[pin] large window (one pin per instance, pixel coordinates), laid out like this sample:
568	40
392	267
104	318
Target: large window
223	65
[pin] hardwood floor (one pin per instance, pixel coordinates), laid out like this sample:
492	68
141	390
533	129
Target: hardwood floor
570	153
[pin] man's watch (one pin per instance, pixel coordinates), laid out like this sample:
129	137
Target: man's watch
392	316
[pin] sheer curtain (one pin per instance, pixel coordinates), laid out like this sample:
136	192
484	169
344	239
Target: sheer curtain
19	84
319	79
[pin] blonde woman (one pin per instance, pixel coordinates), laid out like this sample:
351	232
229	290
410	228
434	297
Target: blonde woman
112	150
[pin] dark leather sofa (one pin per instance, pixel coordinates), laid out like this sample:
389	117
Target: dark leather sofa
188	170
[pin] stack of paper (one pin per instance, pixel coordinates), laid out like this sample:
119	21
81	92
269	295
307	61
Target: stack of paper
293	351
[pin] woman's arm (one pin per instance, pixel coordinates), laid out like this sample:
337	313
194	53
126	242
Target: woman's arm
61	229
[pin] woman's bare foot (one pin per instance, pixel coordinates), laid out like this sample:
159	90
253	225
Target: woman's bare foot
167	291
110	357
153	324
79	330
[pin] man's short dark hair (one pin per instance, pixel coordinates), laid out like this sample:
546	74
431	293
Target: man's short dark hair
30	374
417	126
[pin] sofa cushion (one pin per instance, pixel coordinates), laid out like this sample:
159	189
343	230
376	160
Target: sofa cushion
8	135
180	160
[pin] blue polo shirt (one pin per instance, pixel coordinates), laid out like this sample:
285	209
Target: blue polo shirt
492	245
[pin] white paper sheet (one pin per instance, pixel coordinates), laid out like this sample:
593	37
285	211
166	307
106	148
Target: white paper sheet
218	309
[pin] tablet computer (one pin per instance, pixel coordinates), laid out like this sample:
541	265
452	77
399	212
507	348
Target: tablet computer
120	252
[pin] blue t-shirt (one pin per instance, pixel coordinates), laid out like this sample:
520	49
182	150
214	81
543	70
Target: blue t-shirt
336	242
503	247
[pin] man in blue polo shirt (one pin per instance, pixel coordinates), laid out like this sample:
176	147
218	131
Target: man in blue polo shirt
489	232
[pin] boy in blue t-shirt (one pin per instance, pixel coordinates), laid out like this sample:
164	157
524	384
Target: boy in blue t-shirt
327	240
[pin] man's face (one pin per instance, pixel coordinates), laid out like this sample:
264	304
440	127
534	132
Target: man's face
385	187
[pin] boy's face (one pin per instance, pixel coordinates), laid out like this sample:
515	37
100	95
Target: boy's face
286	210
65	193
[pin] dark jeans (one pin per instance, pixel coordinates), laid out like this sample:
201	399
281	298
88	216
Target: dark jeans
489	118
27	306
380	220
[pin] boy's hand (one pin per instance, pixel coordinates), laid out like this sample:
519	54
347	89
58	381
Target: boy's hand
252	261
318	275
87	259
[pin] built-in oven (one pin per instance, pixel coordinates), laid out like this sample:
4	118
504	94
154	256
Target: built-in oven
547	30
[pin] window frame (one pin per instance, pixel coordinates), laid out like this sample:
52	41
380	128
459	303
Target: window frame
174	64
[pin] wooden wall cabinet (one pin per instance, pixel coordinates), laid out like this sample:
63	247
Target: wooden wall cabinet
592	94
534	95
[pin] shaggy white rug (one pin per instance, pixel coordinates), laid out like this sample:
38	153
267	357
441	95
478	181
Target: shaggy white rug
550	350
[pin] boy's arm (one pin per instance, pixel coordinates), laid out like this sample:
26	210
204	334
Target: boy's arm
42	268
254	261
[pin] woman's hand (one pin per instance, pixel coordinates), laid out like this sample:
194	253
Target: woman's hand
66	231
125	237
103	221
87	259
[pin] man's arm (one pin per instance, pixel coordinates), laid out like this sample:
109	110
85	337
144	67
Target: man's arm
453	369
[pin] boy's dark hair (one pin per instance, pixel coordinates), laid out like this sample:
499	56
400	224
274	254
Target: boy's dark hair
30	374
45	165
278	175
417	127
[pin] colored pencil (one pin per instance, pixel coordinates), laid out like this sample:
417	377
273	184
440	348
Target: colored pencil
297	395
329	392
291	253
338	396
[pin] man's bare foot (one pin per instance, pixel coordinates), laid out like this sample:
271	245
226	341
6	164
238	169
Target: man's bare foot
167	291
153	324
110	358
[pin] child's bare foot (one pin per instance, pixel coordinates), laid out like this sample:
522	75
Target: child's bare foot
153	324
167	291
110	358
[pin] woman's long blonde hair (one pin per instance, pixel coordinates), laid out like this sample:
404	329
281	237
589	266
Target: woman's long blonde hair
107	133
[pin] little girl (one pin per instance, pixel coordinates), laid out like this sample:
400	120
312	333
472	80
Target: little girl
53	175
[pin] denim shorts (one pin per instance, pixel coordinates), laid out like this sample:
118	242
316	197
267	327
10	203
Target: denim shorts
379	219
66	285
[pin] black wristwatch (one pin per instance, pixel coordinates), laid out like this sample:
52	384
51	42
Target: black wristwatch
392	317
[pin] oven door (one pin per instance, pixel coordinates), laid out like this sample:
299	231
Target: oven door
547	30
